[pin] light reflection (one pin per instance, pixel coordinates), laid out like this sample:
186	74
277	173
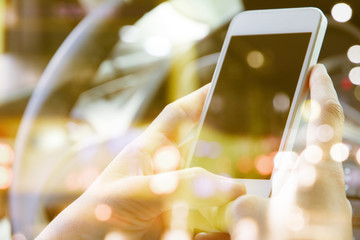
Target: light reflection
247	229
5	177
164	183
313	154
102	212
339	152
203	187
354	75
281	102
354	54
324	133
52	138
6	154
255	59
166	159
157	46
115	236
341	12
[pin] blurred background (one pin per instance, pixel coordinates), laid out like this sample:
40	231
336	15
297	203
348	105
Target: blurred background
81	78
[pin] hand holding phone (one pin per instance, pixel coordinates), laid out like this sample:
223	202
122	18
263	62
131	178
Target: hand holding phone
251	111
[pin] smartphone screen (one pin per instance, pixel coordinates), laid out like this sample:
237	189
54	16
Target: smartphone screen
242	130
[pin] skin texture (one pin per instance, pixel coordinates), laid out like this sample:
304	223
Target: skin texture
297	209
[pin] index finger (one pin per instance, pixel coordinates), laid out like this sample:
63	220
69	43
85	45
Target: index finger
331	116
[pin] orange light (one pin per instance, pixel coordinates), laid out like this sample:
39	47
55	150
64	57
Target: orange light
264	164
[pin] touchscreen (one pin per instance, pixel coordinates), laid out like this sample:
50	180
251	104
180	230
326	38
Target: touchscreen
246	117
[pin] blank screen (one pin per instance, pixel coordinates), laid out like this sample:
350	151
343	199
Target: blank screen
247	114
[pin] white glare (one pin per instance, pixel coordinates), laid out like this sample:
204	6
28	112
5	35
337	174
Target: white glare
341	12
354	75
354	54
255	59
281	102
339	152
158	46
285	160
307	176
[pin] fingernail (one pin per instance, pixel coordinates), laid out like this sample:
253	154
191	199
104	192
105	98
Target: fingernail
320	69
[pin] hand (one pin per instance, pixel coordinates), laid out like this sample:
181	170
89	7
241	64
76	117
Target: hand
133	195
308	199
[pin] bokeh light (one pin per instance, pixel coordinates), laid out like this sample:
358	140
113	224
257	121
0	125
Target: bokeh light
19	236
324	133
311	110
307	176
296	220
166	159
115	236
341	12
164	183
129	34
255	59
358	156
354	75
102	212
264	164
285	160
354	54
339	152
247	228
281	102
5	177
158	46
313	154
203	187
176	234
6	154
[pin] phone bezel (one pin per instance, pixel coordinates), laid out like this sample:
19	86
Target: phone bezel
274	21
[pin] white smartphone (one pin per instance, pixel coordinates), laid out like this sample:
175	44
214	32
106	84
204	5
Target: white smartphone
251	111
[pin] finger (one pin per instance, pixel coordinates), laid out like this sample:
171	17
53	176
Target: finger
136	158
326	111
194	186
212	236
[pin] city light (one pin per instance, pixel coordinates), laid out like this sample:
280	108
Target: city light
354	75
255	59
339	152
341	12
354	54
